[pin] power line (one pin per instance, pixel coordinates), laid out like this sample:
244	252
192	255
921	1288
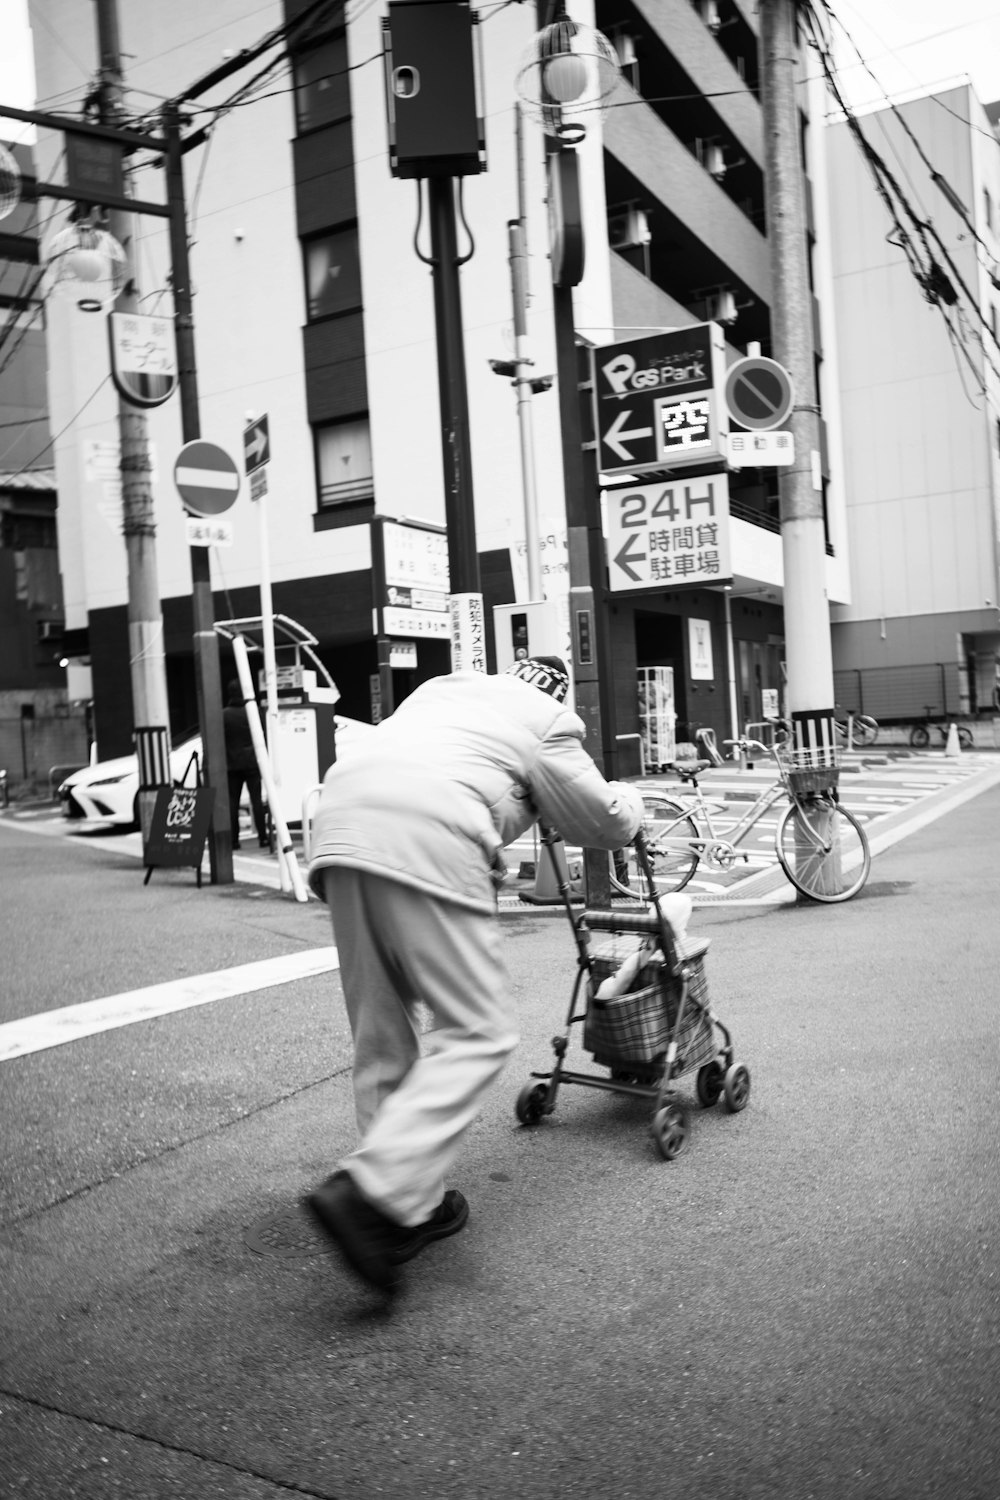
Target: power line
53	440
934	282
935	176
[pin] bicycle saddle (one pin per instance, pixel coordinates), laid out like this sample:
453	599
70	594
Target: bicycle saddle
689	770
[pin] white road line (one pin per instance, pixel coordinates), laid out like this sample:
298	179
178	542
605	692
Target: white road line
71	1022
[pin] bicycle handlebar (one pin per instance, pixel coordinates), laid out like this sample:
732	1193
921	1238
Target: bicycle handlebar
744	744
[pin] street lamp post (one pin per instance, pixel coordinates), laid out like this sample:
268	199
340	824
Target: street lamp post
568	71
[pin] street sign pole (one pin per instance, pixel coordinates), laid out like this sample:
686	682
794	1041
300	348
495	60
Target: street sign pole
206	642
255	448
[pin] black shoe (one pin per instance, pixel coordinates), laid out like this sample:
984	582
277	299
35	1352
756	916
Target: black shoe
366	1238
448	1218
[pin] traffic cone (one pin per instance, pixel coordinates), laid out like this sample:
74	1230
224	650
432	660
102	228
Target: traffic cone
953	748
547	880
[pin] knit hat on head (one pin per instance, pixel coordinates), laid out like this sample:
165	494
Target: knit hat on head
545	672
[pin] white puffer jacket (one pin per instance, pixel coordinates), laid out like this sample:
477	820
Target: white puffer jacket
462	768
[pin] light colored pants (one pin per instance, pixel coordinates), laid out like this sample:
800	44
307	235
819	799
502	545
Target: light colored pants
414	1104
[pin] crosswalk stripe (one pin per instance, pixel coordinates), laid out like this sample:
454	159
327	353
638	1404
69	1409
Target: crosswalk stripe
53	1027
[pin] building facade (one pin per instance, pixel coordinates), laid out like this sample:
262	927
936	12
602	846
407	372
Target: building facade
920	379
40	727
314	306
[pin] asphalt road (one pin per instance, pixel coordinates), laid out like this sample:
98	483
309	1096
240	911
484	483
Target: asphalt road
805	1304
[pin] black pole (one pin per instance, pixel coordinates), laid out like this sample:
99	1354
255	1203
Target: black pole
456	447
206	643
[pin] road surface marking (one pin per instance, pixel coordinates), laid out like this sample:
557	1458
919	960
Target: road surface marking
71	1022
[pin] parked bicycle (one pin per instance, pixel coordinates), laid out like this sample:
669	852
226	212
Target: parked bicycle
855	729
920	734
821	847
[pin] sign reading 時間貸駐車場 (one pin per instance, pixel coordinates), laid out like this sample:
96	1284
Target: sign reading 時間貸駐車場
674	535
658	401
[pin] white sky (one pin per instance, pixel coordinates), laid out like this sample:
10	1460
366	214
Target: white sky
914	45
910	45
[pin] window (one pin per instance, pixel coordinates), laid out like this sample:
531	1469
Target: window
333	274
344	462
322	90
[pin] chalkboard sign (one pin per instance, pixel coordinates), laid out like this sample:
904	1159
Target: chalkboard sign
178	828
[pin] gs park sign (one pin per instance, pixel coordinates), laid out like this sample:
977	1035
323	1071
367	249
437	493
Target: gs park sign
658	401
668	535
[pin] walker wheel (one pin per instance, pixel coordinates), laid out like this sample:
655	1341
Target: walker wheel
709	1084
530	1106
736	1088
671	1130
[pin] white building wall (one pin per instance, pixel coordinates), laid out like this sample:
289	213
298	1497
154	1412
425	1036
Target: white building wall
400	343
917	428
249	304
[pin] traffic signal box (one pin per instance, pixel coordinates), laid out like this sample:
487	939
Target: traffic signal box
432	75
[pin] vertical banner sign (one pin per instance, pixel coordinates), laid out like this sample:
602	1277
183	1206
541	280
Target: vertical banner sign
468	637
700	646
415	599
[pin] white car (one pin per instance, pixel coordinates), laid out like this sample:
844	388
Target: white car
108	792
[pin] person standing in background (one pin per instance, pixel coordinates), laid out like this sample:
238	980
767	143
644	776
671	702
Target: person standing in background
241	762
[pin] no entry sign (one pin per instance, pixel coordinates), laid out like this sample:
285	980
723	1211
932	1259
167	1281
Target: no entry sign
207	479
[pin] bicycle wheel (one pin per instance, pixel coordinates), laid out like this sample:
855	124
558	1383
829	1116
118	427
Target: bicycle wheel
865	730
824	855
920	737
668	831
964	737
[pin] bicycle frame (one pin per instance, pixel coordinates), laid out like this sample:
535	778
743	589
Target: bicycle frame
717	849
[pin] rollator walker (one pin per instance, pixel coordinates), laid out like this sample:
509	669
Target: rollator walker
642	997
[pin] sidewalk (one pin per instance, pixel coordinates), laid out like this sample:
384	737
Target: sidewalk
893	790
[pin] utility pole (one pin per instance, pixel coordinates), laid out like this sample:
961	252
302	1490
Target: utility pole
206	642
456	443
147	657
807	618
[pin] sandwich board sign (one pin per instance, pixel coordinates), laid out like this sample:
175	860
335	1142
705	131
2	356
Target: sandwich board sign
178	828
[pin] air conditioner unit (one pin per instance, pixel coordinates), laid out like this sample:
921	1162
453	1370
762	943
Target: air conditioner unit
724	309
715	162
709	12
628	228
624	45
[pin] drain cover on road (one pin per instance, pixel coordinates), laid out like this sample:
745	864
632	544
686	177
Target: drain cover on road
286	1235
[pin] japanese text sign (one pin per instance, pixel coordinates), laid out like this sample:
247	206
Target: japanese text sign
668	535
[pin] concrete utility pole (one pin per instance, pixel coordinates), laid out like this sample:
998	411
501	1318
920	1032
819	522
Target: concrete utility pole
807	617
147	657
208	676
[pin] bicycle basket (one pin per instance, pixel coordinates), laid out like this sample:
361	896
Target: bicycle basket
809	771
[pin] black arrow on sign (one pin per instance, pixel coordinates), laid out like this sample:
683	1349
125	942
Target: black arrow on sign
625	558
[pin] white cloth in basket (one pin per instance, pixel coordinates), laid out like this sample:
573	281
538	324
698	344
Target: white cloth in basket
677	910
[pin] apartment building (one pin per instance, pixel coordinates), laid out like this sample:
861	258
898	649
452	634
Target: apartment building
314	306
